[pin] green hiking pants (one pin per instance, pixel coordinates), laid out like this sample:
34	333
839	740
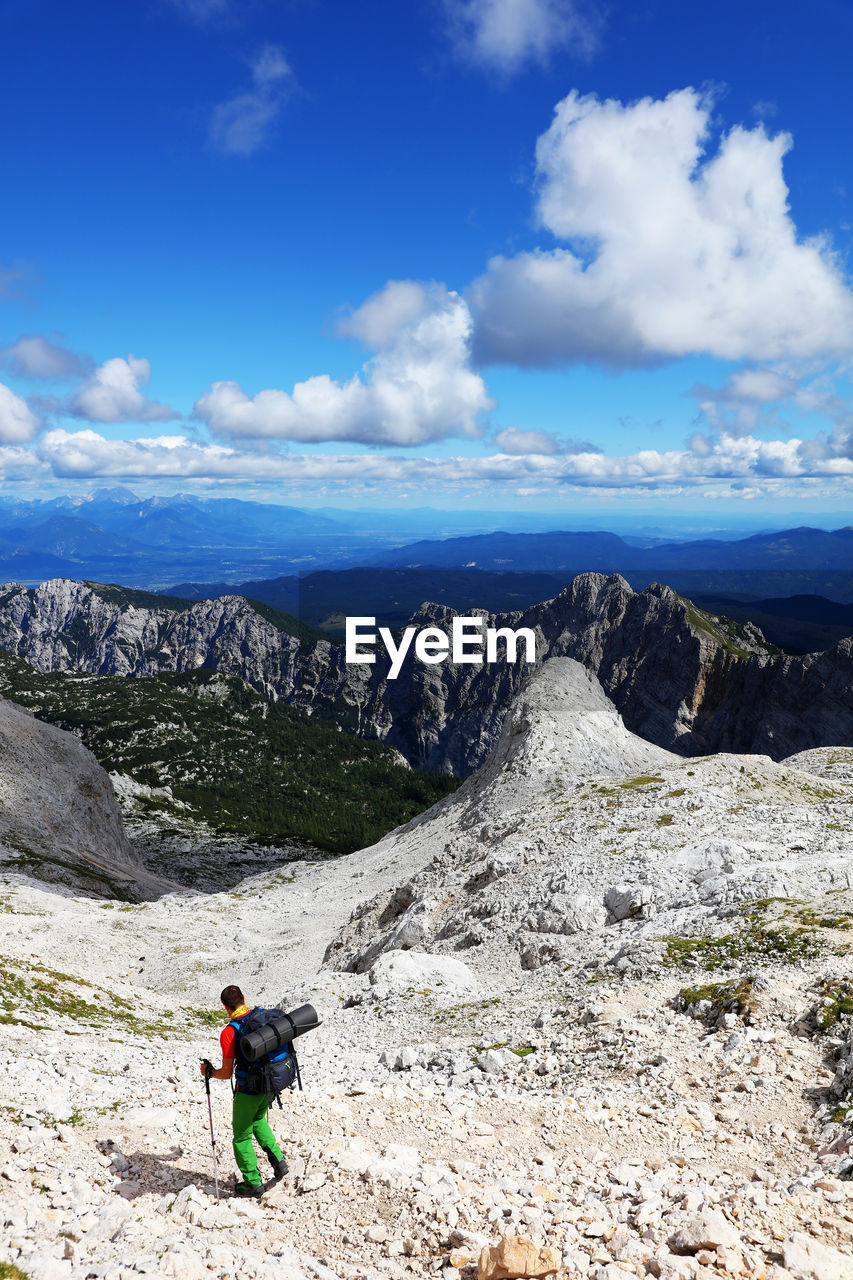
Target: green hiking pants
248	1121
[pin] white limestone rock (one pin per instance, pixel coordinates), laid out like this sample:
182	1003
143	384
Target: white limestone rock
706	1230
495	1061
810	1259
400	971
627	901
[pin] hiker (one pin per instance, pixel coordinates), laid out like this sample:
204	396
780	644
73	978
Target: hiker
249	1115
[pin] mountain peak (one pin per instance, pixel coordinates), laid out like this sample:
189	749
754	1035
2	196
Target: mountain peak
117	493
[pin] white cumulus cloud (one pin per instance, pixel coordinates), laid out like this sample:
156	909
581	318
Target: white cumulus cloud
521	440
380	318
753	399
671	247
112	394
18	423
723	461
416	389
87	453
516	440
760	386
34	356
506	34
241	125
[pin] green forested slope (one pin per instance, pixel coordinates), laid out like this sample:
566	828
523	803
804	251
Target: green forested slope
237	761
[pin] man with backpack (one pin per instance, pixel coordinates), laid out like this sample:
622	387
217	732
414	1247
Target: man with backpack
251	1099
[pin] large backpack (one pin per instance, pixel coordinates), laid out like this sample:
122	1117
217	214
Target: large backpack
275	1071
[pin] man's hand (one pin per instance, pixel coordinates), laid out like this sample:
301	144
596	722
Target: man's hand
210	1072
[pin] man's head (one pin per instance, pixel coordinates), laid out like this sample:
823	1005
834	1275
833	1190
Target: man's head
232	997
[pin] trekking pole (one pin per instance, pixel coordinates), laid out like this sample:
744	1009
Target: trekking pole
208	1072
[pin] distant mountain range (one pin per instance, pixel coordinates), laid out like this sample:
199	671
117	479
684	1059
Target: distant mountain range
115	536
802	548
211	545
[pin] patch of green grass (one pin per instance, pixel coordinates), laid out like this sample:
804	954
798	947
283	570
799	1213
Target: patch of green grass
820	791
642	780
8	1271
797	909
476	1049
755	906
27	988
727	633
756	942
817	919
207	1017
836	1002
466	1011
665	820
722	997
34	987
520	1050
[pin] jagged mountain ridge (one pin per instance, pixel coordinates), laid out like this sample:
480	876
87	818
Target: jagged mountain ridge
677	676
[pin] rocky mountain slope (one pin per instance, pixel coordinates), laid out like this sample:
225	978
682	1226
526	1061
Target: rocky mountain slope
680	677
580	843
59	817
654	1080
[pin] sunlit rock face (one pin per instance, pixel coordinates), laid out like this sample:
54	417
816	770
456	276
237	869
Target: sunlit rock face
580	843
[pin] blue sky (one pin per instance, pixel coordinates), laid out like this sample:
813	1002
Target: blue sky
497	253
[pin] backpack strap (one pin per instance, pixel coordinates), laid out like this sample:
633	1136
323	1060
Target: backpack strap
240	1064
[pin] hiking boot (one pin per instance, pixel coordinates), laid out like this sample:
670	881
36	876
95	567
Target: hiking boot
254	1190
279	1167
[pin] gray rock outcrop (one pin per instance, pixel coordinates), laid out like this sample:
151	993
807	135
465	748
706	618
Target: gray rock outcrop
59	817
